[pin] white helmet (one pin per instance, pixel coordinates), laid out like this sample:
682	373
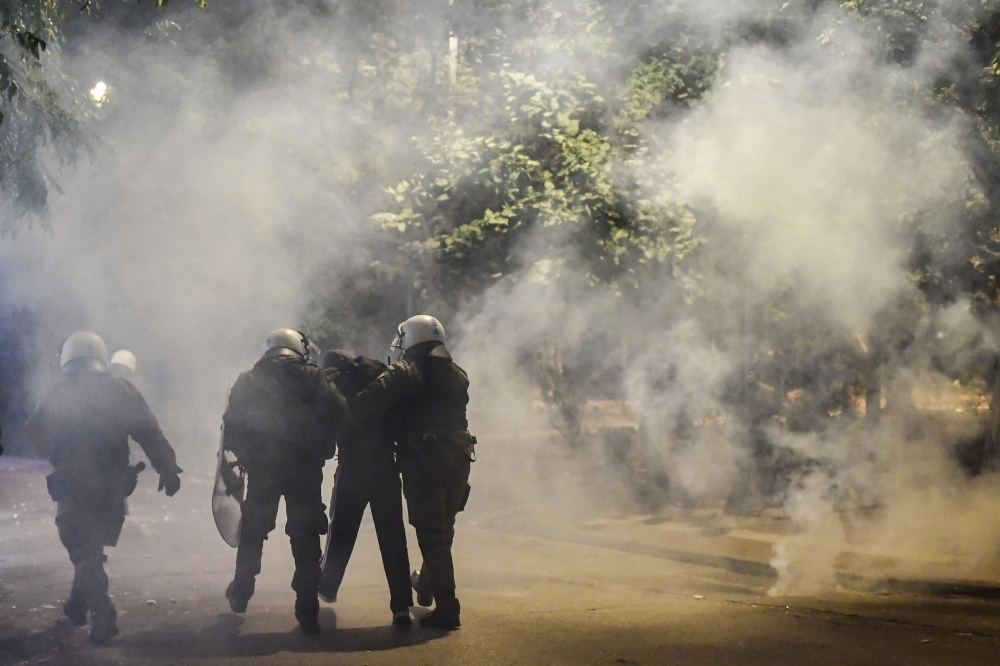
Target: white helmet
83	344
417	329
124	358
287	338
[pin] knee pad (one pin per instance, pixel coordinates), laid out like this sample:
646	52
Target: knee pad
255	526
310	525
88	561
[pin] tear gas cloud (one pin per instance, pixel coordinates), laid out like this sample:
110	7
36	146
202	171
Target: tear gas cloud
810	157
193	232
226	182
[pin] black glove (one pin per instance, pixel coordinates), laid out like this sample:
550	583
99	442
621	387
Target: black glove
170	483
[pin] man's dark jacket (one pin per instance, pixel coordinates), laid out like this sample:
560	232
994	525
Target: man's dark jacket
371	443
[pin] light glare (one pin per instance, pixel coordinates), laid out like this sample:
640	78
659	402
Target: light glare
99	93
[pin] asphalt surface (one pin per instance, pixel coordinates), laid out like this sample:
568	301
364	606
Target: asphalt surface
527	599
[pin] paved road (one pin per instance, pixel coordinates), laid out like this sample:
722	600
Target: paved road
526	600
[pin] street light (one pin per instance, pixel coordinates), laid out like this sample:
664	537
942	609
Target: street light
99	93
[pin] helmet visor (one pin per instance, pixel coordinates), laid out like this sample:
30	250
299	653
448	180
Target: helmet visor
397	342
312	350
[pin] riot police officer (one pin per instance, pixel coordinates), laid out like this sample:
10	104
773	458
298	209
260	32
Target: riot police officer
123	364
83	425
281	424
428	394
366	474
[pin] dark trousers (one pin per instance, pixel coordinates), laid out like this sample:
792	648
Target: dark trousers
436	485
305	522
359	485
85	528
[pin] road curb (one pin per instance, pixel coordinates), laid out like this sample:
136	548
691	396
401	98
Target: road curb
745	567
749	553
936	588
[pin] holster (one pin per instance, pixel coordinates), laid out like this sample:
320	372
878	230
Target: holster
56	485
468	444
132	478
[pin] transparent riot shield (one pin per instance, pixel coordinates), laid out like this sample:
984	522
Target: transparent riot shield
228	494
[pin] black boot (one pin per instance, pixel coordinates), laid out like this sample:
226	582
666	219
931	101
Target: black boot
75	609
307	613
103	625
239	595
444	616
92	583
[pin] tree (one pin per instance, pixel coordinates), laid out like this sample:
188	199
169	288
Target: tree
31	116
42	113
549	184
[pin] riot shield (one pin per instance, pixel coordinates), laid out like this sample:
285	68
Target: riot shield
228	494
333	507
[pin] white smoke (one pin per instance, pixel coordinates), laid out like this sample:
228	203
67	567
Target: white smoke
228	179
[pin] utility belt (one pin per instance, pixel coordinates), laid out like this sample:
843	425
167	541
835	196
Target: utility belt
65	487
463	439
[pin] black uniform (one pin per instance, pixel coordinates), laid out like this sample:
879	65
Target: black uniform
366	474
428	394
83	426
281	424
